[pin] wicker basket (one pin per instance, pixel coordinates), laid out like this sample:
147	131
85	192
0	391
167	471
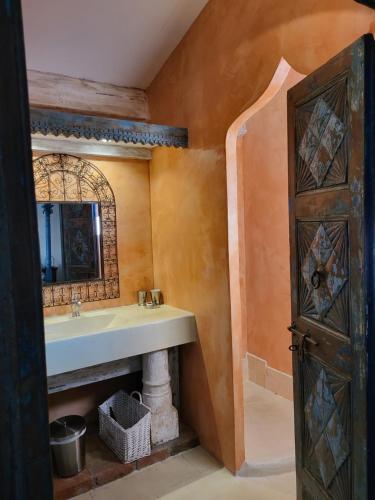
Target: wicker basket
125	426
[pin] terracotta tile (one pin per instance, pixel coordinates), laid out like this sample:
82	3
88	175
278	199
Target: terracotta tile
71	486
103	464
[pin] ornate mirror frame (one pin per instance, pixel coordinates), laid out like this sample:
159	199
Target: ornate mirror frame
66	178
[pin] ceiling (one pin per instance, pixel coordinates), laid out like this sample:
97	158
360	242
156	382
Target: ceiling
124	42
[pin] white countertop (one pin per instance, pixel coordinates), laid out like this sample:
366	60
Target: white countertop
106	335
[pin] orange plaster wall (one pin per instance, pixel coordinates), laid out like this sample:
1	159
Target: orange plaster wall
130	182
266	230
187	253
222	65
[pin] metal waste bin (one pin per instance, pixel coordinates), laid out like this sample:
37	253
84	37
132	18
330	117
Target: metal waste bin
67	439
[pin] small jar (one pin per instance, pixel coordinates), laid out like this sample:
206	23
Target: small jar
142	297
156	296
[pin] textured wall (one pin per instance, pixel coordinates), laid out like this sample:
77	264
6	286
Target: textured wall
130	182
266	228
219	69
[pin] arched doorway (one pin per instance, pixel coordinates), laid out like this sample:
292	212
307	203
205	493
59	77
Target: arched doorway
258	239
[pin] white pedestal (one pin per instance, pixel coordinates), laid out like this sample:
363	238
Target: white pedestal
157	395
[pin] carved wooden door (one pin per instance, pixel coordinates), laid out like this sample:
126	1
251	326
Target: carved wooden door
330	195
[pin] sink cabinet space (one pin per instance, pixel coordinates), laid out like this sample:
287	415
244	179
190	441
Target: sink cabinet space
109	343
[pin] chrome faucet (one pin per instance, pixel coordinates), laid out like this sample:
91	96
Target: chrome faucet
76	306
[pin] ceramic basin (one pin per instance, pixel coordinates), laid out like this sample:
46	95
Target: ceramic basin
78	326
110	334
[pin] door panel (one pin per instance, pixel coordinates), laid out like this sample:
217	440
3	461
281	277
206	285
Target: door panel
326	122
321	127
327	426
324	272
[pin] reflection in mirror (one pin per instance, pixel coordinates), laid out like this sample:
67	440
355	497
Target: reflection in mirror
70	241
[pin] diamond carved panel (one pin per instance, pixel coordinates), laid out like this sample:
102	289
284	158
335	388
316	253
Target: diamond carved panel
327	418
324	273
321	135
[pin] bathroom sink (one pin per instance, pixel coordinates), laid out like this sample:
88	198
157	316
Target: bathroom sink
107	335
78	326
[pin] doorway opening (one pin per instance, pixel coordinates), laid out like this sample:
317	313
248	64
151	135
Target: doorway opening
259	260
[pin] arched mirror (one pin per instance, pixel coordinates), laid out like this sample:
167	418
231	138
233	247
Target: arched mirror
77	230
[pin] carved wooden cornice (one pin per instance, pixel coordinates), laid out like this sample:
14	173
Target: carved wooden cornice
59	123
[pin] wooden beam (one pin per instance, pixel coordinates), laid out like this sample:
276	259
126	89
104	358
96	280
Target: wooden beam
58	123
25	470
81	147
48	90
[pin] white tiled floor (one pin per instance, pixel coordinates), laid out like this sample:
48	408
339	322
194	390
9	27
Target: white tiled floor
194	474
269	430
